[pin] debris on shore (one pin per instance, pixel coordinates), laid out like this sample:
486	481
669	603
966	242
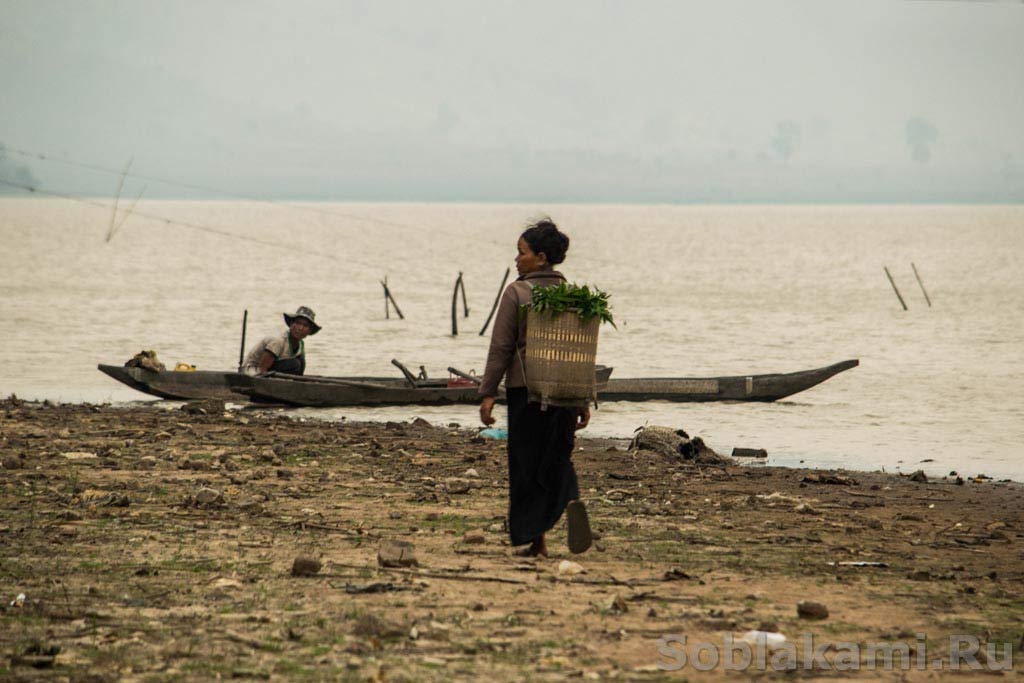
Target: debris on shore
153	543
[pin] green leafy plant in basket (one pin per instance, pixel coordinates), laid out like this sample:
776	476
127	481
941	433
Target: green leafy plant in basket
565	297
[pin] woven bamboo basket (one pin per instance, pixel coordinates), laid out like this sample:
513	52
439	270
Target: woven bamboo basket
561	350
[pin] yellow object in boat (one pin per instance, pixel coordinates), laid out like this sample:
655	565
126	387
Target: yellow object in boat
184	367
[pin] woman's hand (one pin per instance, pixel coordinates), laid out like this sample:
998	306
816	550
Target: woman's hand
583	419
486	406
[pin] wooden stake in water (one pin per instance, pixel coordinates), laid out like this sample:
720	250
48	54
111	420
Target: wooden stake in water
923	291
388	297
117	198
241	351
501	289
127	214
455	300
893	283
395	304
465	306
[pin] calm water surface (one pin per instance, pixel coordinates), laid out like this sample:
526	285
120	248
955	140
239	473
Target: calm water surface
697	291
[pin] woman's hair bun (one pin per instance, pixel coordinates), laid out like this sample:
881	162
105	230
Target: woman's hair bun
544	237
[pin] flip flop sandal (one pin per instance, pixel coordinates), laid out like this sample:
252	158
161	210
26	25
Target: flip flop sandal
580	537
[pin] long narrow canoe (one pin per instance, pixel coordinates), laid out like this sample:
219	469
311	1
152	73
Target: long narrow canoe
338	392
734	388
355	391
189	385
175	385
325	391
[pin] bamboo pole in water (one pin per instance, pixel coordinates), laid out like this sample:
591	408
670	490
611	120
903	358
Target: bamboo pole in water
465	306
496	300
128	213
241	351
455	301
117	198
923	291
389	297
893	283
395	304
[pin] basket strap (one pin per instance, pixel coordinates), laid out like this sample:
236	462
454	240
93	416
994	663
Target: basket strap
522	362
519	342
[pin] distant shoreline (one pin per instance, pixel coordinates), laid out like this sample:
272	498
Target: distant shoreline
42	193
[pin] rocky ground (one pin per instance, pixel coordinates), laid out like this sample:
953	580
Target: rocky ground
155	543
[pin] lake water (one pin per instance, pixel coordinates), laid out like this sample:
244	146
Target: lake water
696	291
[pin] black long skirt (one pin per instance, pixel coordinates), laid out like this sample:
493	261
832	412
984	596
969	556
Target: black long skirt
541	478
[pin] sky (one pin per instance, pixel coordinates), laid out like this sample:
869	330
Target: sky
677	101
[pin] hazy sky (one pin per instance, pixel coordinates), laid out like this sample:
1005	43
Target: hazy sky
572	100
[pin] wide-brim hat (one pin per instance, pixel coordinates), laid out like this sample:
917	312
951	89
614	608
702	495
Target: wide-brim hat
303	312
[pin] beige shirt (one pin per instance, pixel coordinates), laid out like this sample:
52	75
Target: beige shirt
508	337
279	346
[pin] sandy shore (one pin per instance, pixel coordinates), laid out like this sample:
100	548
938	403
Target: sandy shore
156	544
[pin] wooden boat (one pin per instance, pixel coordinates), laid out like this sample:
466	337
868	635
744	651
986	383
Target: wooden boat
175	385
316	391
340	391
308	390
353	391
186	386
736	388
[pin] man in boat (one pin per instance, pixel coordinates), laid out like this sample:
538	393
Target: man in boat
285	352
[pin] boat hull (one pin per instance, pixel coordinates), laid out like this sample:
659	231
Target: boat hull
175	385
340	392
371	391
766	388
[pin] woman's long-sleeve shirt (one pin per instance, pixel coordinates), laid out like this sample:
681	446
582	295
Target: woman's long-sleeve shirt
508	336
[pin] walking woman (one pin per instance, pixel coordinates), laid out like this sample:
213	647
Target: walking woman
542	481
